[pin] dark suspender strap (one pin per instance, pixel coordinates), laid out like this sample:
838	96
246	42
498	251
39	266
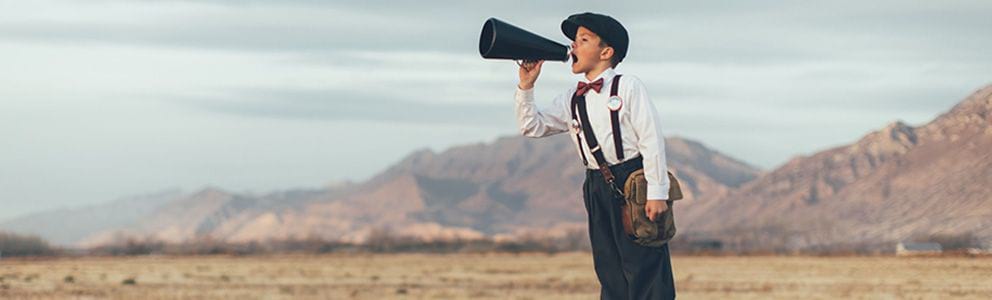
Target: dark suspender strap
591	141
578	137
615	120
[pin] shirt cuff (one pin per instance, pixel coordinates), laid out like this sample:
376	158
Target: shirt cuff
525	94
657	192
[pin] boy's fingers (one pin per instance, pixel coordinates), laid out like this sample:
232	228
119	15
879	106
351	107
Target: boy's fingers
527	65
530	63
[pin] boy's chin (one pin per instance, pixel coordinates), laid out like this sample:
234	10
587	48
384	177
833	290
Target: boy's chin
576	69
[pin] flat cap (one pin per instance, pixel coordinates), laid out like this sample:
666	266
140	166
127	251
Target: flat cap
606	27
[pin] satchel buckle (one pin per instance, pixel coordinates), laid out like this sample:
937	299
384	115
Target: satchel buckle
610	179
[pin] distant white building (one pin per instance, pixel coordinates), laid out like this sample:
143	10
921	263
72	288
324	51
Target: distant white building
906	248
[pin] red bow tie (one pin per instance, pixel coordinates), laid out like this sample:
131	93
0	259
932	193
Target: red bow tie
585	87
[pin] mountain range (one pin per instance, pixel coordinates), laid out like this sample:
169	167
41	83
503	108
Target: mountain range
892	184
512	186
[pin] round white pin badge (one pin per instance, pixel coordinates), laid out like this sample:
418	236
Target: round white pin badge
614	104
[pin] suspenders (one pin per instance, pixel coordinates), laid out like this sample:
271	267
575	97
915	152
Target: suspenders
615	120
580	115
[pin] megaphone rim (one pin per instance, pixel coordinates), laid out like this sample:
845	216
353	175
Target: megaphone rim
490	28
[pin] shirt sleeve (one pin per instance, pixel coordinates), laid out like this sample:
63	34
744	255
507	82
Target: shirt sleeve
536	122
650	141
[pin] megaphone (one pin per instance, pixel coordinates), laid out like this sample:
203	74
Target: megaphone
500	40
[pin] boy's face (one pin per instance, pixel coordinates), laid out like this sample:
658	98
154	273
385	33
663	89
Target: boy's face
587	54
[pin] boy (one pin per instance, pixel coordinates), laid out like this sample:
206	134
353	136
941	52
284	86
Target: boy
627	135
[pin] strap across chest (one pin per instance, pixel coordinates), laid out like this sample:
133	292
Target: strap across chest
581	116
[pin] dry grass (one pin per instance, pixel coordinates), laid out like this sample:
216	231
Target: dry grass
493	276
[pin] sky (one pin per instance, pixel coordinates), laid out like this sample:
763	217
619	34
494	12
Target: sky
103	99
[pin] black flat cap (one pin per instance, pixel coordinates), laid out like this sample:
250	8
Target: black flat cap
606	27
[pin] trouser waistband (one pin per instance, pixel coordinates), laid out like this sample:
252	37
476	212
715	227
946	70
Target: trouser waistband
625	167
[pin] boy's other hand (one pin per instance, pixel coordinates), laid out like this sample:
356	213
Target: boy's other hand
654	209
529	70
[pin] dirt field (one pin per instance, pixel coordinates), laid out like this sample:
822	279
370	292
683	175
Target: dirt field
496	276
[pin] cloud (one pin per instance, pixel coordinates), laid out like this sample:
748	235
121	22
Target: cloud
756	32
213	25
347	105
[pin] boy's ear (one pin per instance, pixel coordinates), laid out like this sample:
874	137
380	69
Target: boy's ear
606	53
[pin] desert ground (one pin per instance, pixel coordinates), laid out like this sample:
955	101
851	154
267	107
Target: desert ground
485	276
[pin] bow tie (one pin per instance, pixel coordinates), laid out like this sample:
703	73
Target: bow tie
585	87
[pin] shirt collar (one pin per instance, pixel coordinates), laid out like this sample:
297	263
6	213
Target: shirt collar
607	75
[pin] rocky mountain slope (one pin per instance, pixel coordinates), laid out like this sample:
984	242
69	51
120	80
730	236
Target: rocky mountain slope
892	184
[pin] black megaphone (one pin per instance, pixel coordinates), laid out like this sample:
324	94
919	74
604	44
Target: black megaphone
500	40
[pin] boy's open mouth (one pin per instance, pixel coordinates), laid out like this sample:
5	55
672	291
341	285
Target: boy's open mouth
575	58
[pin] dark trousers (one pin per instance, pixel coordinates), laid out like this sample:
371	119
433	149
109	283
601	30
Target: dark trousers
625	269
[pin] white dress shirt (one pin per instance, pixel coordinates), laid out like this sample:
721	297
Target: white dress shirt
640	126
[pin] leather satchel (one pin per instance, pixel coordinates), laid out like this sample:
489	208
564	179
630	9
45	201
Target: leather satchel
635	221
